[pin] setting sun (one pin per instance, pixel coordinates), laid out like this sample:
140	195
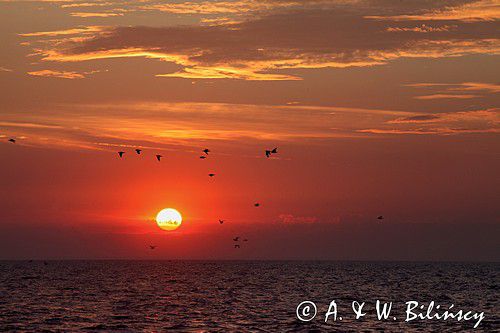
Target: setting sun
169	219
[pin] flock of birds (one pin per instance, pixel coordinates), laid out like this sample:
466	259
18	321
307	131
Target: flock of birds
206	151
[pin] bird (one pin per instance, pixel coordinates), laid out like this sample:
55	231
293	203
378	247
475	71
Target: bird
12	140
256	204
380	217
138	151
221	221
211	174
237	238
236	246
152	247
121	153
206	150
274	151
245	240
158	157
268	153
203	157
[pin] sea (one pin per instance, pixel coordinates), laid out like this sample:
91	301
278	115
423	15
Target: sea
242	296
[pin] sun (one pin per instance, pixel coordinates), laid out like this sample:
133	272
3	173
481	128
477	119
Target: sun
169	219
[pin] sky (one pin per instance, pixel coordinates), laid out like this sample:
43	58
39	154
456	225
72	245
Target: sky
377	107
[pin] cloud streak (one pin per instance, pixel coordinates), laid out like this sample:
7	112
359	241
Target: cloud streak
266	46
61	74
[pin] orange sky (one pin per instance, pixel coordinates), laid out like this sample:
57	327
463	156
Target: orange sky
378	107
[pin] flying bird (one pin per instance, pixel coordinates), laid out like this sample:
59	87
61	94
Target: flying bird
12	140
221	221
158	157
138	151
268	153
121	153
237	238
236	246
203	157
274	151
256	204
152	247
245	240
380	217
211	174
206	151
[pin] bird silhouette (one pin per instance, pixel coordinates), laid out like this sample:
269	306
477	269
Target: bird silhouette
203	157
206	151
237	238
268	153
138	151
211	174
12	140
152	247
158	157
121	153
236	246
380	217
256	204
274	151
221	221
245	240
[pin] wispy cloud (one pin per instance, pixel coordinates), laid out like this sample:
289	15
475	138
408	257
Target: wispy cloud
290	218
64	32
466	86
488	10
95	14
318	34
28	125
61	74
455	90
448	123
446	96
430	131
160	125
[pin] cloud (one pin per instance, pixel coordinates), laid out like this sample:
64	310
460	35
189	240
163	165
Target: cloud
58	74
27	125
431	131
446	96
164	125
423	28
466	86
88	14
87	4
73	31
477	86
447	123
289	218
416	119
318	34
160	125
450	90
487	10
61	74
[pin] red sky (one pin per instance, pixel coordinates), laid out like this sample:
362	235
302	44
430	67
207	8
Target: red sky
377	107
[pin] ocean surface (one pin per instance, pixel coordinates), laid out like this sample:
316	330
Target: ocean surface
238	296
